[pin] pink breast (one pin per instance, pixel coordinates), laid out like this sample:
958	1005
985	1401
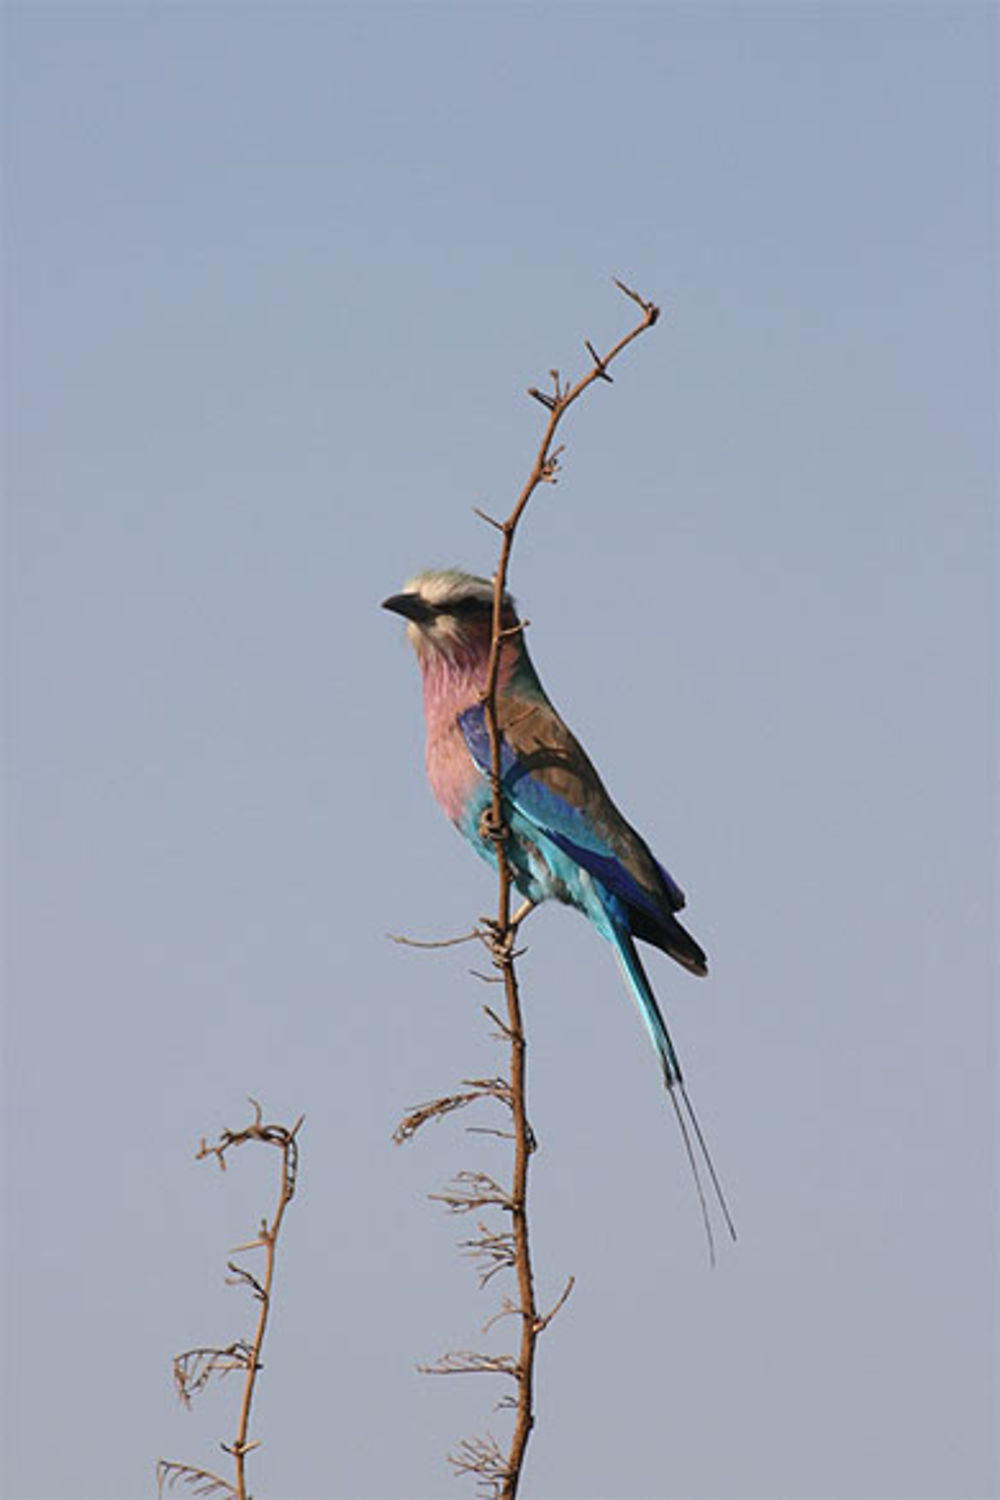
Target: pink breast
449	689
452	774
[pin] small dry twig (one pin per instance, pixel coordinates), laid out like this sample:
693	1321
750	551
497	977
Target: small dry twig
196	1367
408	942
436	1109
471	1190
469	1362
484	1458
198	1481
495	1252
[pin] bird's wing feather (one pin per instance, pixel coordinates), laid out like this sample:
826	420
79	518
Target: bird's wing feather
550	780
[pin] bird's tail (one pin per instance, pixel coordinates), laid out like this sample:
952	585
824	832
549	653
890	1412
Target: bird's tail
673	1078
678	942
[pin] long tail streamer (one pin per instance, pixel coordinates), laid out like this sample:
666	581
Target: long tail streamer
674	1080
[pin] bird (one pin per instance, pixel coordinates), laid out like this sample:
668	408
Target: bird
565	838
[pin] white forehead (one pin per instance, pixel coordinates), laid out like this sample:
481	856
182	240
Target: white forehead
448	586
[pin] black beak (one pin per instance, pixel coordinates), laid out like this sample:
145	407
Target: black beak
409	605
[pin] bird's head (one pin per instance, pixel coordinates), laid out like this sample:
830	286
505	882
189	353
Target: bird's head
449	616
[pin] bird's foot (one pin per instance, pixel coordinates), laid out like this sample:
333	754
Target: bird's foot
502	936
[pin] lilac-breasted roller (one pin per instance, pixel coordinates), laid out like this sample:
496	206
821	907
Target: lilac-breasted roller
566	838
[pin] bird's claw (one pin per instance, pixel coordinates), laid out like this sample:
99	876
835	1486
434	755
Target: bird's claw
501	935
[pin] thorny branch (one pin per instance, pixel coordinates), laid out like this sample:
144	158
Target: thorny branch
195	1367
498	1474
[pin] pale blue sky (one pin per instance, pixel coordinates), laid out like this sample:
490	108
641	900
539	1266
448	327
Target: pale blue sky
275	280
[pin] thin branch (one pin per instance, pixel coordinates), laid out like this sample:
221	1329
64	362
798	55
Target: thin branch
471	1190
468	1362
436	1109
498	1474
598	362
543	471
483	1458
495	1252
543	1323
503	1030
198	1481
408	942
195	1367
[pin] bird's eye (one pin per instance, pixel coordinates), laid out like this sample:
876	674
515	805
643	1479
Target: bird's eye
471	608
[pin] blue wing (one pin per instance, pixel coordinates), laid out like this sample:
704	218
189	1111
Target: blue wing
562	817
550	782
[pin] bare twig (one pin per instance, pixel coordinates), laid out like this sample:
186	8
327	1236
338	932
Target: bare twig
468	1362
484	1458
195	1367
436	1109
490	520
495	1252
471	1190
408	942
543	1323
198	1481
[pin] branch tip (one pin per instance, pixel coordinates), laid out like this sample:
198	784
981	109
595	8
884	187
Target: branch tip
194	1368
550	402
599	365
